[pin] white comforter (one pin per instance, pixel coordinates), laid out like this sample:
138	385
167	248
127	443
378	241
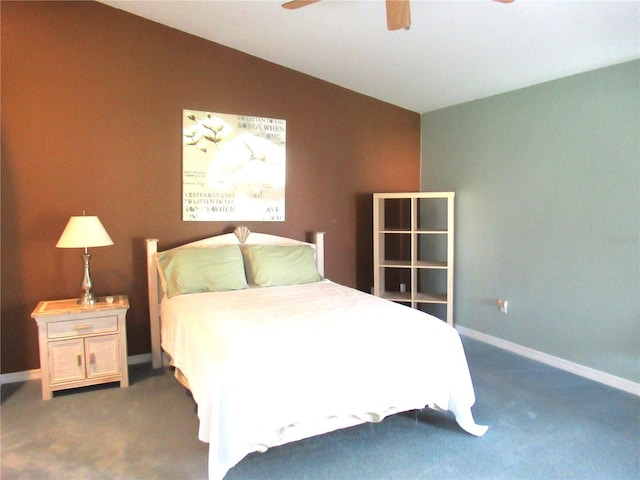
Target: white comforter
264	361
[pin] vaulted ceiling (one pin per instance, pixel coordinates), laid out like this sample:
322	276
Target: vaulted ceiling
455	51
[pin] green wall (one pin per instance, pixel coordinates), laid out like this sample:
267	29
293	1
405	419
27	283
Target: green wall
547	182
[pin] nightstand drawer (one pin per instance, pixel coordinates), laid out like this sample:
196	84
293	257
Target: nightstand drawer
82	326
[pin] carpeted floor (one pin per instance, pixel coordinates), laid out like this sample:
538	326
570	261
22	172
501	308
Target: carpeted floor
545	424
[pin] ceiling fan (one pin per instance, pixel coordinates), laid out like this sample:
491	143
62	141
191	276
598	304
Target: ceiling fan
398	11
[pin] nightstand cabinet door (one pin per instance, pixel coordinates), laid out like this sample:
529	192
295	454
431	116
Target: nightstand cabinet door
66	361
102	354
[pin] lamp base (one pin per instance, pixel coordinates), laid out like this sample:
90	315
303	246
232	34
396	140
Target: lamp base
87	299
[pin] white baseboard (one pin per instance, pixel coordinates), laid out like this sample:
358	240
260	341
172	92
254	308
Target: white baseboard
36	375
137	359
575	368
562	364
20	376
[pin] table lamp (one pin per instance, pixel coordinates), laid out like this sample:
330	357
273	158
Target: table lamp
84	232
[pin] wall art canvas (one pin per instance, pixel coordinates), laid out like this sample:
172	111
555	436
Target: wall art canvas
233	167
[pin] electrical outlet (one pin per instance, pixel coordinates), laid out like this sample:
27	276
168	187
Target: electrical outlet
503	305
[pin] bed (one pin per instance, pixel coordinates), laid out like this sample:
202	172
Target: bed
274	352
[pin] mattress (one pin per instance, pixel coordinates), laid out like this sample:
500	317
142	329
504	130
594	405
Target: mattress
264	364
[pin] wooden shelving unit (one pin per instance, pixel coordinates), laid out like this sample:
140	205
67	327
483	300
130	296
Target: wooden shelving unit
413	250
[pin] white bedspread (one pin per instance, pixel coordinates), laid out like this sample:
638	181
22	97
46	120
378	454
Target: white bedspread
264	360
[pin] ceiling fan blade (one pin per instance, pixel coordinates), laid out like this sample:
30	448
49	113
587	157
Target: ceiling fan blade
293	4
398	15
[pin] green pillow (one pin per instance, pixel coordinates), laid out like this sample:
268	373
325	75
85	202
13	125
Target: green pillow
272	265
206	269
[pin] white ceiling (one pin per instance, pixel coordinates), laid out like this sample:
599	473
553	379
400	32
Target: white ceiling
455	51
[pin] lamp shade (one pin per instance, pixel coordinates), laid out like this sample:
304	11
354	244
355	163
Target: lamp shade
82	232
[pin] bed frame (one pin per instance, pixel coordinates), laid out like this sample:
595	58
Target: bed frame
240	236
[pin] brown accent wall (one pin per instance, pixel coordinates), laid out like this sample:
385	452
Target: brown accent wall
92	101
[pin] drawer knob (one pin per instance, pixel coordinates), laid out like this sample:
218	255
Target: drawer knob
82	327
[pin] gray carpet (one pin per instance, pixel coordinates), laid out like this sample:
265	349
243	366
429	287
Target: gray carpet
545	424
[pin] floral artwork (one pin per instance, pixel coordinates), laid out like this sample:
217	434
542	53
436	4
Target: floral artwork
233	167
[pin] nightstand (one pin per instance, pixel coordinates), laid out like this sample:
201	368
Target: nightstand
82	345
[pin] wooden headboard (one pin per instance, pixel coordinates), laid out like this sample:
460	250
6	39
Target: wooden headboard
241	236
